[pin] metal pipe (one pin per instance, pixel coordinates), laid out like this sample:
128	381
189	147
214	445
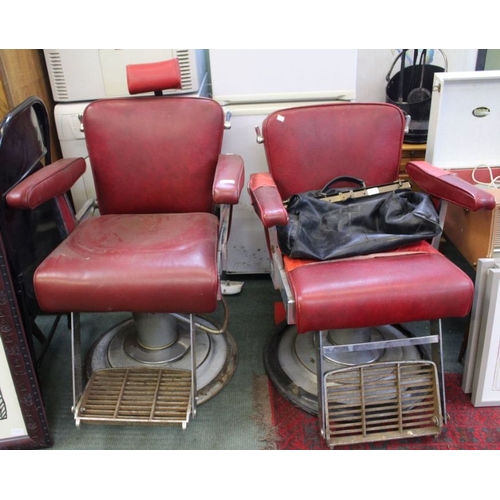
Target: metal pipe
204	328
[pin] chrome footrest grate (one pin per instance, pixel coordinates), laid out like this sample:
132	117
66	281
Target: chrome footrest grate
381	401
138	396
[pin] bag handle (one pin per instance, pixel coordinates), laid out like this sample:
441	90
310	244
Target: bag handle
324	190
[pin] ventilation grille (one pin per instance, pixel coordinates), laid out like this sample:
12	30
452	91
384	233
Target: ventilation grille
496	230
58	81
185	68
383	401
141	396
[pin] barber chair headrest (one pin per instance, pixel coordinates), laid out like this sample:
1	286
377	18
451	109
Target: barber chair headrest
154	77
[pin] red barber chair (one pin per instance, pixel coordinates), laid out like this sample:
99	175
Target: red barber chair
155	248
349	350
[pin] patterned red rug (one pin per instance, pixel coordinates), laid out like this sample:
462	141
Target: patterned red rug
468	428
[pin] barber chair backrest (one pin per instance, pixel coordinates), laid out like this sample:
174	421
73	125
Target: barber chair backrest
154	154
308	146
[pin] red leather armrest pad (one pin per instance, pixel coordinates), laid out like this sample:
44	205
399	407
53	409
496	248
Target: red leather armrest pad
46	183
266	200
229	179
448	186
152	77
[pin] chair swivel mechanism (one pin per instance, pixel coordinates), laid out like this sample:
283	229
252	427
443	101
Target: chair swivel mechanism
155	247
360	344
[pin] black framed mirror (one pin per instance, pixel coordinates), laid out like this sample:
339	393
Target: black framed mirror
26	238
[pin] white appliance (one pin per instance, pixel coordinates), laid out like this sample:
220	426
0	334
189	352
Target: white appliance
250	84
272	75
89	74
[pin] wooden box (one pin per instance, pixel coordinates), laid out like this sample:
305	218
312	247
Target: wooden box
464	129
475	234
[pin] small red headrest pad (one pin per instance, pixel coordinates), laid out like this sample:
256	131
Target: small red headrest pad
153	77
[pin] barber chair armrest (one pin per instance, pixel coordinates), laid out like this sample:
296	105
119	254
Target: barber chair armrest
447	186
266	200
229	179
46	183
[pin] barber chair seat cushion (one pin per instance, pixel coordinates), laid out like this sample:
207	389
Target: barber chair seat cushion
137	263
413	284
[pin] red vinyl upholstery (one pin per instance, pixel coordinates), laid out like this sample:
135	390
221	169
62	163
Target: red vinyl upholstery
45	184
448	186
159	174
137	263
156	76
304	153
388	289
305	148
176	176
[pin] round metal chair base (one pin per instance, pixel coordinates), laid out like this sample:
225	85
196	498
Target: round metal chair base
216	355
290	361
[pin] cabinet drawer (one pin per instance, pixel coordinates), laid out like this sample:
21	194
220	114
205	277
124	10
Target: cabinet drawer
411	152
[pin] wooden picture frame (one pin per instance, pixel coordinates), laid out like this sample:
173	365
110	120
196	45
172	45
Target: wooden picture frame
480	298
486	383
23	421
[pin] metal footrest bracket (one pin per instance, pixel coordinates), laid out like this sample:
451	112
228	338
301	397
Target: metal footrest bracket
381	401
137	396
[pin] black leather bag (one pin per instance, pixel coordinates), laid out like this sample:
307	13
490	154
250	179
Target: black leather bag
337	223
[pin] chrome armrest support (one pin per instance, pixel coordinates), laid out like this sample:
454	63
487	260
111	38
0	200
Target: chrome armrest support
224	220
88	210
279	276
